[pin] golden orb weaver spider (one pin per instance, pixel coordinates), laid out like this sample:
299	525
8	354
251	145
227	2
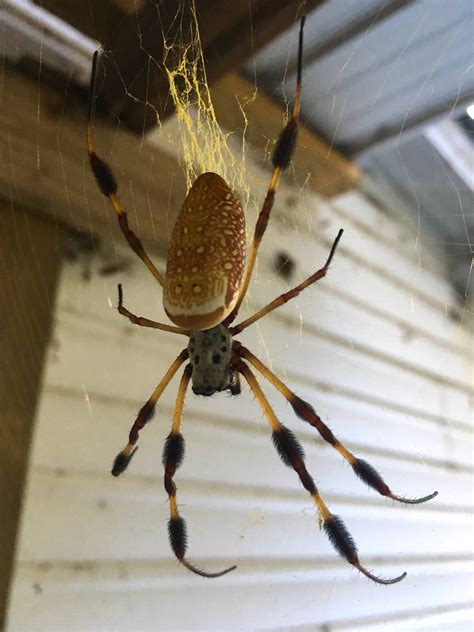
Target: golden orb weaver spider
205	283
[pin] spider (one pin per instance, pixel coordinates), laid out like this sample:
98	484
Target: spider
203	288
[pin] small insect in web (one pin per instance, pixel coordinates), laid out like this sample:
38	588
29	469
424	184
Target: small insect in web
205	283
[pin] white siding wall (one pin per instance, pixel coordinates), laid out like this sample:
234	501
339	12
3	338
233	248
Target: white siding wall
374	350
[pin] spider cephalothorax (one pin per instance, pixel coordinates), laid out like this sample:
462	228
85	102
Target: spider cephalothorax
209	352
204	286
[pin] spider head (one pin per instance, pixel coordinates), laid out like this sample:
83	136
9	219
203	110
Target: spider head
209	353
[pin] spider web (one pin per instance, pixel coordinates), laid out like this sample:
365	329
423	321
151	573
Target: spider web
335	314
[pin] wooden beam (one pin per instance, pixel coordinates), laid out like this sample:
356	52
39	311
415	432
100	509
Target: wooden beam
44	166
30	259
43	163
135	86
315	163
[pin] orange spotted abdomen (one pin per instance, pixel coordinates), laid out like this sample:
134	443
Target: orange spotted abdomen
206	255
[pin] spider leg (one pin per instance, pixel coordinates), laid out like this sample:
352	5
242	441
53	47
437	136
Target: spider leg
306	412
108	184
173	454
281	158
284	298
145	413
146	322
292	454
235	388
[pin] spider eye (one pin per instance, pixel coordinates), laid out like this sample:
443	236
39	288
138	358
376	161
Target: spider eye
216	358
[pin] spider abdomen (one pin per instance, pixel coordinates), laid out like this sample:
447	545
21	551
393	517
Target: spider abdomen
206	255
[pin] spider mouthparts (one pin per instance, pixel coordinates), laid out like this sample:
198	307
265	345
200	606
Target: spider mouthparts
206	391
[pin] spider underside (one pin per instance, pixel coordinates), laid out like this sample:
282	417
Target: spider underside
215	361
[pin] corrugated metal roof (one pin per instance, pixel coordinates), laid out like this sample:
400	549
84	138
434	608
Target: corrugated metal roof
391	73
375	74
